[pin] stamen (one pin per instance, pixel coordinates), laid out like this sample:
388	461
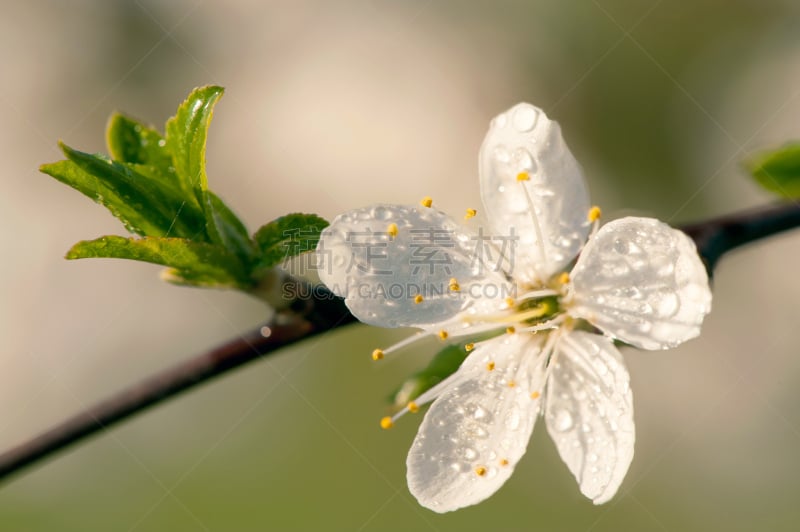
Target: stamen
510	330
454	286
535	395
511	384
509	301
413	407
503	462
563	278
490	366
532	210
418	299
551	324
399	345
480	471
443	334
387	423
392	230
594	217
469	347
427	201
470	214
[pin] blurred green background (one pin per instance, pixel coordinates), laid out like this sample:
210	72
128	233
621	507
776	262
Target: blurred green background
335	105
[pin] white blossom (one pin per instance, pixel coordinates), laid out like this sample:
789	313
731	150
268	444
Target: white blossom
635	280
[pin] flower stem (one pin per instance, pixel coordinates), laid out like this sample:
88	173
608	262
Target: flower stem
324	312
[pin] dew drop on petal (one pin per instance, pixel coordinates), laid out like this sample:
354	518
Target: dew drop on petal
524	118
564	421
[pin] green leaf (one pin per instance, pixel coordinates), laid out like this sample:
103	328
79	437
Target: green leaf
146	207
225	228
130	141
778	170
288	236
441	366
196	263
186	134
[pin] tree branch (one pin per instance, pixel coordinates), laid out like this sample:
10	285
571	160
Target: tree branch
714	238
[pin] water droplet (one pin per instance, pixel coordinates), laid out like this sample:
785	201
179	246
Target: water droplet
564	421
162	143
668	305
620	246
592	457
585	427
501	154
513	420
479	413
525	117
380	213
523	162
470	454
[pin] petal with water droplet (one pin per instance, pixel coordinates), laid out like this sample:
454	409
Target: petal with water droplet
547	211
380	258
642	282
594	434
459	458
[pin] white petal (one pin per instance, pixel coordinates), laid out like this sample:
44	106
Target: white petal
589	412
523	139
379	275
478	429
642	282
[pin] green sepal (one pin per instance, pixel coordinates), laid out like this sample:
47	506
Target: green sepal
778	170
286	237
195	263
442	365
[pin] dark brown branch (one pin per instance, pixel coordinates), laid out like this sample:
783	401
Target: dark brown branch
323	312
307	319
716	237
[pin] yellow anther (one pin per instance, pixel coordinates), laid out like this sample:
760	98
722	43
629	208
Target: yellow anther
387	423
535	395
480	471
470	214
443	334
503	462
427	201
511	384
454	286
594	213
523	176
490	366
418	299
413	407
563	278
392	230
469	347
510	330
377	354
509	302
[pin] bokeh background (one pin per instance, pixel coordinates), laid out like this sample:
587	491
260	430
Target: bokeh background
334	105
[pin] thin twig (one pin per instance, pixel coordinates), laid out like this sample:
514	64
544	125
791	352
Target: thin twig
306	319
324	312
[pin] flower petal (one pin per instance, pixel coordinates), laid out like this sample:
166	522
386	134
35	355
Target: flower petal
547	212
381	258
589	412
642	282
478	429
